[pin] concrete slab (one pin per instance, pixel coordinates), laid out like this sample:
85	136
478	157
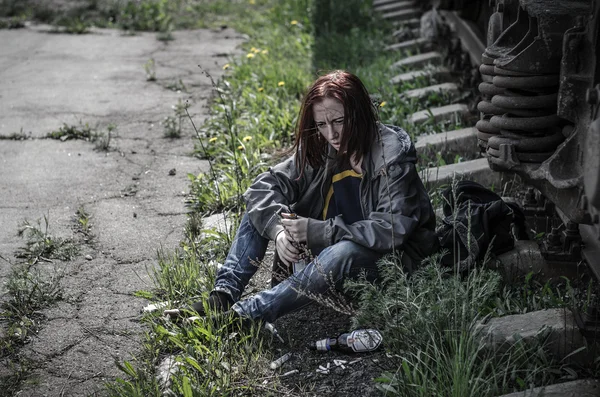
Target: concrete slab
525	258
428	58
576	388
450	89
135	200
394	6
474	170
555	329
439	73
410	45
453	113
403	15
457	141
98	77
378	3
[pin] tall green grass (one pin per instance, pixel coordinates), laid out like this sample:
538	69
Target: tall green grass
428	319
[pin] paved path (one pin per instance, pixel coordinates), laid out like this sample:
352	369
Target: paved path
137	207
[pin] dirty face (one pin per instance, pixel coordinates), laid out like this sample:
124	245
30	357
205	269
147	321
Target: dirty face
329	119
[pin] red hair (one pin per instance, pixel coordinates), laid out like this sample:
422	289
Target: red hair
360	120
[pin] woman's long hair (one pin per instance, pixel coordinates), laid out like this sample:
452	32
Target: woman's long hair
360	120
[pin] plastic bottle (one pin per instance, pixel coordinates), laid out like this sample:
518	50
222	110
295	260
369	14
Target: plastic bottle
358	341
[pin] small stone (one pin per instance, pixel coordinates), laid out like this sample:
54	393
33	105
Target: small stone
88	257
172	171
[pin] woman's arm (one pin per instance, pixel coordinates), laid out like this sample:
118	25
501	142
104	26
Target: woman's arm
272	192
395	218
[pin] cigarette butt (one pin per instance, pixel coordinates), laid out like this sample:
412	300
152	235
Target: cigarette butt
277	363
292	372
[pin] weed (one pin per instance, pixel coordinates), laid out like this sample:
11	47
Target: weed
103	140
84	222
72	25
67	132
173	124
176	86
150	69
15	136
40	245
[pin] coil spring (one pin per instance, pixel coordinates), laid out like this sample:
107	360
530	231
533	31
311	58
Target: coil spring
519	110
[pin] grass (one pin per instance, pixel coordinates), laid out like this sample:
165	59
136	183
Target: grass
428	319
101	140
28	290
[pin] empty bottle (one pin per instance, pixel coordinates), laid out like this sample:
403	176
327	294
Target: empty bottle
358	341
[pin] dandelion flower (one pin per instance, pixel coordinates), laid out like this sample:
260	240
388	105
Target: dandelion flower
260	89
255	50
252	2
247	138
226	66
382	104
250	55
281	84
294	22
213	139
265	52
240	147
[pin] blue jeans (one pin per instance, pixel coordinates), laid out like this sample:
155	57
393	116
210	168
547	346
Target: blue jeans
316	282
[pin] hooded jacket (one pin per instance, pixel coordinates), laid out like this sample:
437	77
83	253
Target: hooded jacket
397	212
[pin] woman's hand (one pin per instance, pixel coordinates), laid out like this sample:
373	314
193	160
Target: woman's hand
296	228
286	248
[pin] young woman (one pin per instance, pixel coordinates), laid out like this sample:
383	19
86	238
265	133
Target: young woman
353	186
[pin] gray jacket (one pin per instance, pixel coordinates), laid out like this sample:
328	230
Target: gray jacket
396	209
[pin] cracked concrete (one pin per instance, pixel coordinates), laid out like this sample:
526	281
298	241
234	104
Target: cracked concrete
136	203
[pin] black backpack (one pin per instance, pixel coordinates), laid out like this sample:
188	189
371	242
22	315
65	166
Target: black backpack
478	221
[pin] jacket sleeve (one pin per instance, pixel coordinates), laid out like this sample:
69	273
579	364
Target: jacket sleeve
272	192
395	217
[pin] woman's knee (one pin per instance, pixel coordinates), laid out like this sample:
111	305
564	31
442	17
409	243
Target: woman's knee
344	255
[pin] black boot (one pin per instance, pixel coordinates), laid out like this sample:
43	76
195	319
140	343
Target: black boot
217	302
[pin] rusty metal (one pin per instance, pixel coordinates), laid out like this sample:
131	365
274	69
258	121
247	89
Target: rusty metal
525	124
528	82
513	100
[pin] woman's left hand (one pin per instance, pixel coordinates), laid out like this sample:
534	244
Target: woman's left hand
296	228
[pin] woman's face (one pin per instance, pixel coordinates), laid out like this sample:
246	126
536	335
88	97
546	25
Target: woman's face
329	119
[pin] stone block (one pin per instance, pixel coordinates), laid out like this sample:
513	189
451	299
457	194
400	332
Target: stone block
474	170
393	6
450	89
556	329
403	15
419	60
457	141
576	388
440	73
454	112
525	258
410	45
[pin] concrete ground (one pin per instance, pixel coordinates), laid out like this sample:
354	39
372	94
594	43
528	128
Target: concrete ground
135	198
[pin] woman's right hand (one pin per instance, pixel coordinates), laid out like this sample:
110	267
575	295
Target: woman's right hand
286	248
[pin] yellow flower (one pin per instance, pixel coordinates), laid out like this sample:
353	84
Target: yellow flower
247	138
294	22
281	84
255	50
260	89
240	147
265	52
382	104
250	55
213	139
252	2
226	66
